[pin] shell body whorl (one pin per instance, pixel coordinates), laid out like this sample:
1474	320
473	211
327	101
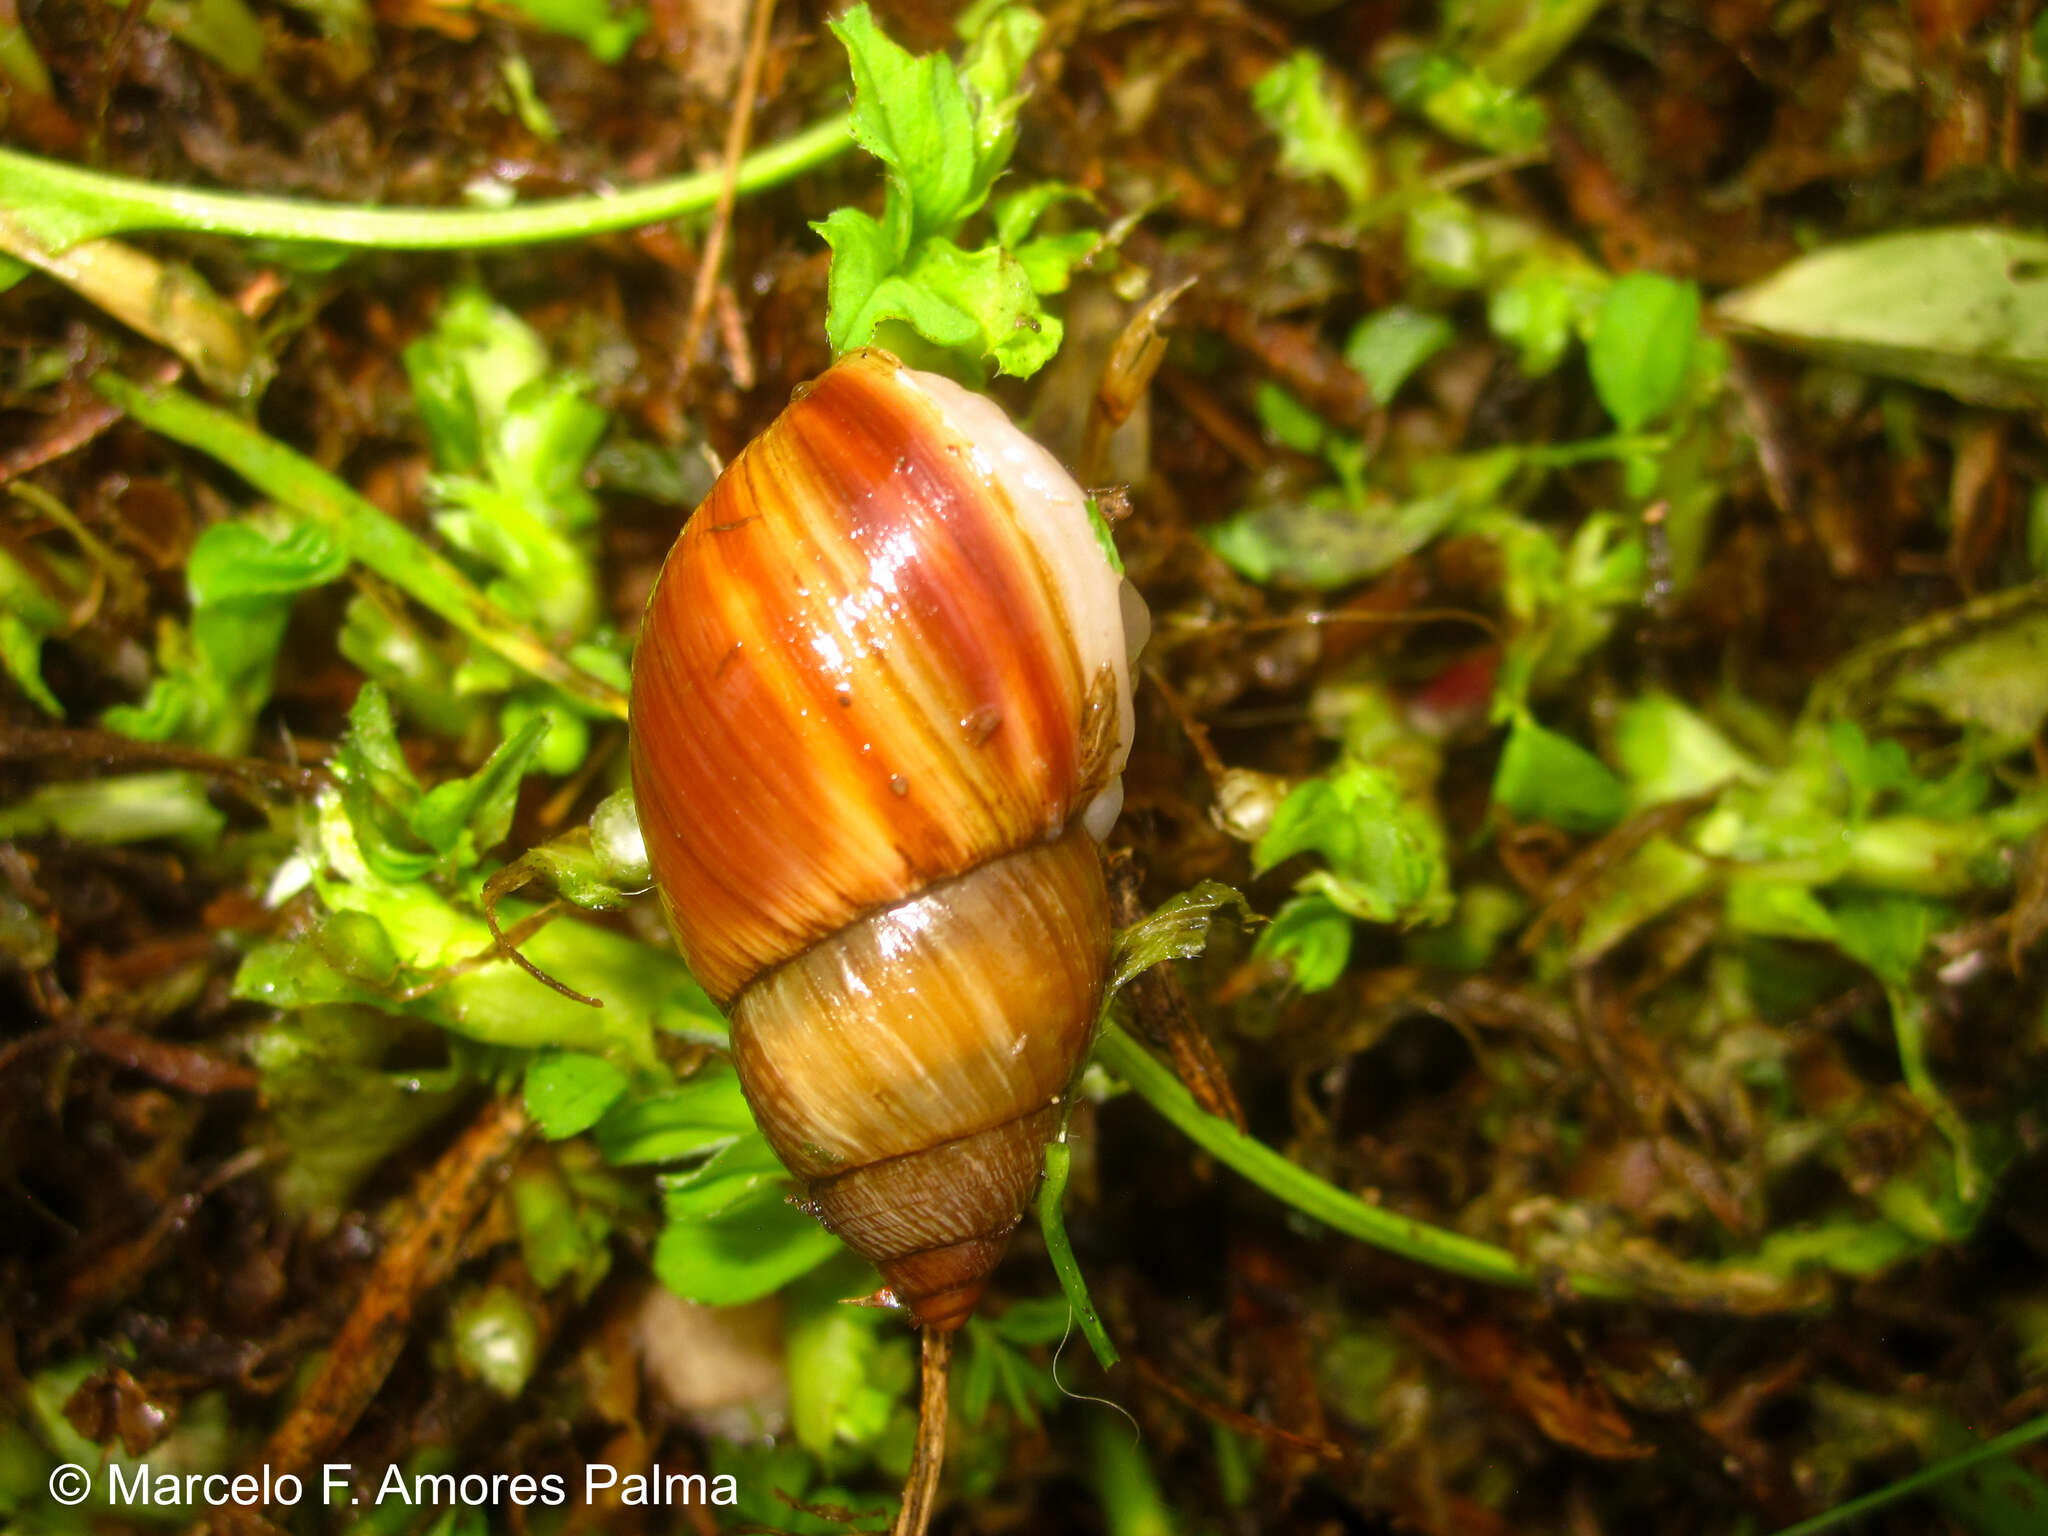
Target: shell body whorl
880	700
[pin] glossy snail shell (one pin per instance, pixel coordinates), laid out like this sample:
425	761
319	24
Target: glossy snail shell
880	703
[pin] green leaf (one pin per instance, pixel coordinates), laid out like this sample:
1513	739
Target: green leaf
591	22
702	1115
371	538
847	1368
1050	260
1961	310
393	649
1550	778
1485	916
238	559
1311	936
1177	929
1547	300
1390	344
1016	215
333	1111
1385	852
1445	242
1886	932
992	73
125	808
1325	541
1668	752
1515	41
1287	421
464	372
21	652
1465	103
1997	681
1297	102
1873	769
732	1174
978	303
991	1365
378	790
496	1339
1642	887
1642	345
478	808
746	1252
912	115
945	137
564	1207
1781	909
214	676
864	252
568	1092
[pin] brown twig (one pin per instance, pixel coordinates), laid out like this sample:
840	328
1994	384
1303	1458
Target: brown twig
421	1254
1165	1015
120	754
1234	1420
721	215
921	1488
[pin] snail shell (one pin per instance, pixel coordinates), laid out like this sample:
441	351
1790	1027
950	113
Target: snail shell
880	705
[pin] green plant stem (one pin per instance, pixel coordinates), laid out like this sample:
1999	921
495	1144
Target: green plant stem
1448	1251
64	204
1052	1225
1927	1477
372	539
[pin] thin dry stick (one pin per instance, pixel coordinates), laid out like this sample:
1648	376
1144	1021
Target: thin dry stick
921	1490
721	215
418	1258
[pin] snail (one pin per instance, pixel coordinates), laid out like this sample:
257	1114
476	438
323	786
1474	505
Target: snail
880	707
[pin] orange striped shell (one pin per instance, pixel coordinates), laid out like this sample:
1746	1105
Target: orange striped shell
881	685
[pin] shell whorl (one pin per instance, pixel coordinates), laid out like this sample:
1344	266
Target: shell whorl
881	697
908	1066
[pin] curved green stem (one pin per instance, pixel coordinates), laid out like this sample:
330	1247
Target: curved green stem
1053	1227
1440	1249
64	204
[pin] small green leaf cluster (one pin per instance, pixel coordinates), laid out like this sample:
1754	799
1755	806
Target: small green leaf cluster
398	872
944	136
1308	112
1644	354
511	439
1847	843
993	1368
1331	535
1384	861
729	1233
215	671
1463	102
